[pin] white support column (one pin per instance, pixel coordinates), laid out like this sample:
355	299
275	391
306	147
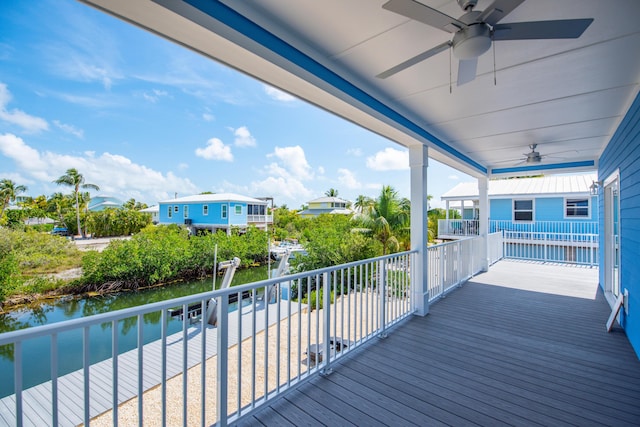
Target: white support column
419	161
483	189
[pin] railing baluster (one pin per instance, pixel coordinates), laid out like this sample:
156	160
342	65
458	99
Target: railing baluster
185	349
223	359
326	324
239	355
163	363
140	369
17	380
86	363
54	381
114	371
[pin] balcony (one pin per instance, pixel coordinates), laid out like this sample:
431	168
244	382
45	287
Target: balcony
571	242
524	343
259	219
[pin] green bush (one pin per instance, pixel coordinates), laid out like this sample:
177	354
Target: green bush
312	299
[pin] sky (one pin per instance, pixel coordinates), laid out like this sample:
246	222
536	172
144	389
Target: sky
146	119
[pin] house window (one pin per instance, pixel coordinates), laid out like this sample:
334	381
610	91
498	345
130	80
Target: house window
576	208
170	211
224	211
186	211
238	209
175	208
523	210
205	210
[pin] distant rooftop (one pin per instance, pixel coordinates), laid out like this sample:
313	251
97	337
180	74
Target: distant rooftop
328	200
220	197
545	185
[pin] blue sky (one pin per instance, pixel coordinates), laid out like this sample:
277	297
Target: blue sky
145	119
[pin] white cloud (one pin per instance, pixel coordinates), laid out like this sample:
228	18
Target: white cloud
277	94
320	170
244	137
183	166
453	177
389	159
69	129
28	123
154	95
215	150
357	152
208	117
347	179
294	162
113	173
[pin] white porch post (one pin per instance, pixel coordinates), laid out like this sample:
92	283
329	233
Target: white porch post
483	217
418	161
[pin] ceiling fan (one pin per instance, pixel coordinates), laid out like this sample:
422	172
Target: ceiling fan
534	157
474	32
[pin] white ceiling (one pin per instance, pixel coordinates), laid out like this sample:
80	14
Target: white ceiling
567	96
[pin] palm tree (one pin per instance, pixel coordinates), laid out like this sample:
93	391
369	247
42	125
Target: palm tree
363	204
73	178
332	192
387	218
8	193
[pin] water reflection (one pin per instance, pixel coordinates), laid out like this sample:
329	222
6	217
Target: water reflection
36	352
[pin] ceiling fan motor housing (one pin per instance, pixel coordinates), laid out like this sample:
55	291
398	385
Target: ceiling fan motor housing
467	4
472	41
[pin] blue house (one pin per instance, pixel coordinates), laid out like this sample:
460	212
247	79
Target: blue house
215	212
548	218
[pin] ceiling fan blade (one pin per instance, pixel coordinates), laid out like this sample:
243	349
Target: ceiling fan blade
560	29
420	12
416	59
498	10
467	70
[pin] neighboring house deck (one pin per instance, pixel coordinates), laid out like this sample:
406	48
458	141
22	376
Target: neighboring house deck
524	344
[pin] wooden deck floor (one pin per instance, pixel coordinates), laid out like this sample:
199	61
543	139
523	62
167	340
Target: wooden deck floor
524	344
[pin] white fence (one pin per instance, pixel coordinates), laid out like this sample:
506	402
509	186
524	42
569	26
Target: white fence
457	228
453	263
203	374
550	241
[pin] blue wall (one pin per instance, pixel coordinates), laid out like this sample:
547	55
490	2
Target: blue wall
195	213
623	153
544	209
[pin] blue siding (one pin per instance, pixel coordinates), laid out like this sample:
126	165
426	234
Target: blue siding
549	209
623	153
500	209
195	213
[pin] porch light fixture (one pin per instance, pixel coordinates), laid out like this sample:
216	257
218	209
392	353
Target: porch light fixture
594	188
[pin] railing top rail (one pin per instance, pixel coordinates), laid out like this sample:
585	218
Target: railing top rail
45	330
453	242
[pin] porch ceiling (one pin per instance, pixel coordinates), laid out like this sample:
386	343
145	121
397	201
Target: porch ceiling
567	96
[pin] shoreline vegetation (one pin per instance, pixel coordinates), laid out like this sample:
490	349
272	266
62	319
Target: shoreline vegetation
34	264
36	267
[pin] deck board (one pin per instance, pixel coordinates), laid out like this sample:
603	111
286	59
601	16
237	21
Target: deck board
524	344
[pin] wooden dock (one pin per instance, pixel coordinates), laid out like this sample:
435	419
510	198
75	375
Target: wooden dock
37	407
524	344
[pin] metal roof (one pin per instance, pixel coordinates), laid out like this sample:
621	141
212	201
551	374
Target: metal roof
210	198
547	186
328	200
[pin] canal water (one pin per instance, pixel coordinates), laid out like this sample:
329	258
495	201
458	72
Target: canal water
36	352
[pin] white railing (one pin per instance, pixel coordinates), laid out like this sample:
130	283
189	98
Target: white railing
575	242
205	374
457	228
453	263
496	247
260	219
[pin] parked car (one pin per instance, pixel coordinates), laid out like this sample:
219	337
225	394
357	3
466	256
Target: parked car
60	231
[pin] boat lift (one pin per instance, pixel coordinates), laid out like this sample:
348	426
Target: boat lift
194	311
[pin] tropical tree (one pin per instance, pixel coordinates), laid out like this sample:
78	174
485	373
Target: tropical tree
363	204
8	193
387	219
58	205
73	178
131	204
332	192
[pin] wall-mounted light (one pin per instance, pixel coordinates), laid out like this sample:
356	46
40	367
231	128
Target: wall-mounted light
594	188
